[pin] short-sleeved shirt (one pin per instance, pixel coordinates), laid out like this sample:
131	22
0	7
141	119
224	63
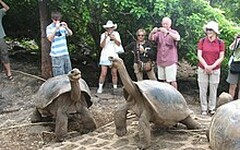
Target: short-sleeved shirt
210	50
2	32
109	49
166	49
59	43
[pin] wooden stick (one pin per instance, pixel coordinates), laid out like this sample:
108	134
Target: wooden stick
27	125
30	75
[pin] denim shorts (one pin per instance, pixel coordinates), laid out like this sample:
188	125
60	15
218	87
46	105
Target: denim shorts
4	56
61	65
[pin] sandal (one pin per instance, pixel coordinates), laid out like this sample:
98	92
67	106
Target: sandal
10	77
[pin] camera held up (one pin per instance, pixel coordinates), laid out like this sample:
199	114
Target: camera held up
58	33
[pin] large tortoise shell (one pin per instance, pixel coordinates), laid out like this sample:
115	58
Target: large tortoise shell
56	86
166	102
224	129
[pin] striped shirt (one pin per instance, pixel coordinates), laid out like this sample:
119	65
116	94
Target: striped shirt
59	43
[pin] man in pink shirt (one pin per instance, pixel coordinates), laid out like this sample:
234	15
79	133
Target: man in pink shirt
167	56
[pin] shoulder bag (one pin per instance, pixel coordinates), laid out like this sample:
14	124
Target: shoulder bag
119	49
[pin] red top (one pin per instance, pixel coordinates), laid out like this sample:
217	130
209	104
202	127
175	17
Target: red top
210	50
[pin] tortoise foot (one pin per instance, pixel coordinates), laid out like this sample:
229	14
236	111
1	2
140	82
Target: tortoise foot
35	116
121	131
84	131
49	137
142	146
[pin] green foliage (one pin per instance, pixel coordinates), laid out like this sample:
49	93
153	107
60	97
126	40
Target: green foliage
86	18
230	8
22	19
26	44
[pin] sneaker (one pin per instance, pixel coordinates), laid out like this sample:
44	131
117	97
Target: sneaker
211	112
100	90
204	113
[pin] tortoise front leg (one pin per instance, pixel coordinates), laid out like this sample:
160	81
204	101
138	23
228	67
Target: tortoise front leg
61	124
120	119
36	116
144	133
87	120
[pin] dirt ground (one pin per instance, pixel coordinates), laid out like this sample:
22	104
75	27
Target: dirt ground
17	104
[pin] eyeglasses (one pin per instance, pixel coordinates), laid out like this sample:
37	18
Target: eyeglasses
208	29
141	35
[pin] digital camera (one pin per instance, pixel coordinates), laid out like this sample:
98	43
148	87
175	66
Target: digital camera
58	33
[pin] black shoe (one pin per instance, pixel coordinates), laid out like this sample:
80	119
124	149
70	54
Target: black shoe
211	112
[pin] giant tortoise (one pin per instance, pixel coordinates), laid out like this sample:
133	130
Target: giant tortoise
224	129
66	99
151	101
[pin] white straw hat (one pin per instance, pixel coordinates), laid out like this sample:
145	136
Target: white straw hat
211	25
110	24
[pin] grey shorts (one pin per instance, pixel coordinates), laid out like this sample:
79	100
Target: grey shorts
4	56
233	78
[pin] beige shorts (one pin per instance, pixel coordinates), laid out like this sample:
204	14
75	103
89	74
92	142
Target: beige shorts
168	73
203	77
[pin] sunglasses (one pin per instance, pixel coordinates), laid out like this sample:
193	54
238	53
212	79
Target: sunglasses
57	18
207	29
141	35
109	28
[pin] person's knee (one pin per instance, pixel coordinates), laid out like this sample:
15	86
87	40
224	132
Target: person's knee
233	86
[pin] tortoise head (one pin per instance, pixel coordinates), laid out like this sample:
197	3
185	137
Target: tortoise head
116	62
224	98
74	74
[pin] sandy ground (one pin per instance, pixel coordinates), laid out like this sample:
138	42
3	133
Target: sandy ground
17	104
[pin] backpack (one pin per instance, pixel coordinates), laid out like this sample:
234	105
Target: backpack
219	41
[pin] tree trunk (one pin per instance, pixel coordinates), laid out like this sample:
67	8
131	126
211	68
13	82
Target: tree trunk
46	67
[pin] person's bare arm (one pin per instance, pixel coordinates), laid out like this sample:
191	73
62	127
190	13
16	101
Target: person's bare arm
5	6
65	25
150	36
50	37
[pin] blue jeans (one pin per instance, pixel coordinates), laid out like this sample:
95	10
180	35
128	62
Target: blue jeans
61	65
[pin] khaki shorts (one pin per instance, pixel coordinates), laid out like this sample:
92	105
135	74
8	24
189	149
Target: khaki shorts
203	77
4	51
168	73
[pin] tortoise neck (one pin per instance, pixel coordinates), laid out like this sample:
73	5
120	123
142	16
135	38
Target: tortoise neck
75	88
130	87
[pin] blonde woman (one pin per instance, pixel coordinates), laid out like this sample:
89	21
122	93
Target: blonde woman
143	52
